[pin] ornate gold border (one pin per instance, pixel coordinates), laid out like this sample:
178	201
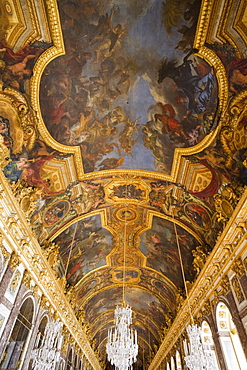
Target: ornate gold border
46	57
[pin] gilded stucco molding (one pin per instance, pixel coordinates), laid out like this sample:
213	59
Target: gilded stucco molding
221	76
238	267
14	30
6	255
222	32
230	244
240	21
16	232
237	108
47	56
202	26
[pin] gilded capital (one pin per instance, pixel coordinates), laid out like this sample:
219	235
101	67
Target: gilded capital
26	279
238	267
225	285
14	261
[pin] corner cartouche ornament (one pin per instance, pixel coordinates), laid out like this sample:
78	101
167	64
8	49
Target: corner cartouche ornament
26	196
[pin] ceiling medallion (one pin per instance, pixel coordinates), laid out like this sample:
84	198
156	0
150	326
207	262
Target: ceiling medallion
130	214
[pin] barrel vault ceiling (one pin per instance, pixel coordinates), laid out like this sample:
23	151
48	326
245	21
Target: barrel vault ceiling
127	120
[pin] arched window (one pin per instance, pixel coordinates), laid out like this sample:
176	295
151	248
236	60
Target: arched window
178	361
208	343
70	360
168	366
19	336
173	367
229	339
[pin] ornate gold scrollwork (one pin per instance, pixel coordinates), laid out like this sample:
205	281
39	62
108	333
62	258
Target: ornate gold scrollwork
200	255
14	261
26	196
70	292
237	289
238	267
206	310
5	253
227	201
215	299
4	153
26	279
225	285
80	315
226	138
43	302
51	251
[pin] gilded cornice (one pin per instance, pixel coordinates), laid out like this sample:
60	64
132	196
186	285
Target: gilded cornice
26	250
230	244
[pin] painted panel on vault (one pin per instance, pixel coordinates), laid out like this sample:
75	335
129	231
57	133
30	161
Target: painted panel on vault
160	247
84	247
139	299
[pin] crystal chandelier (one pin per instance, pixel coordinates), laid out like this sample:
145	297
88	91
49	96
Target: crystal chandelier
197	356
122	347
47	355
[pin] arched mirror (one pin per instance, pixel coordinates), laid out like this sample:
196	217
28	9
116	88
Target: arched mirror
229	339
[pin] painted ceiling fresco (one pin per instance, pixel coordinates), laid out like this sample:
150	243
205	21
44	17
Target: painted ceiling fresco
123	135
128	91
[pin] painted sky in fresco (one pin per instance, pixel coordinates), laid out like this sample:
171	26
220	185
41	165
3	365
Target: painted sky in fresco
109	94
